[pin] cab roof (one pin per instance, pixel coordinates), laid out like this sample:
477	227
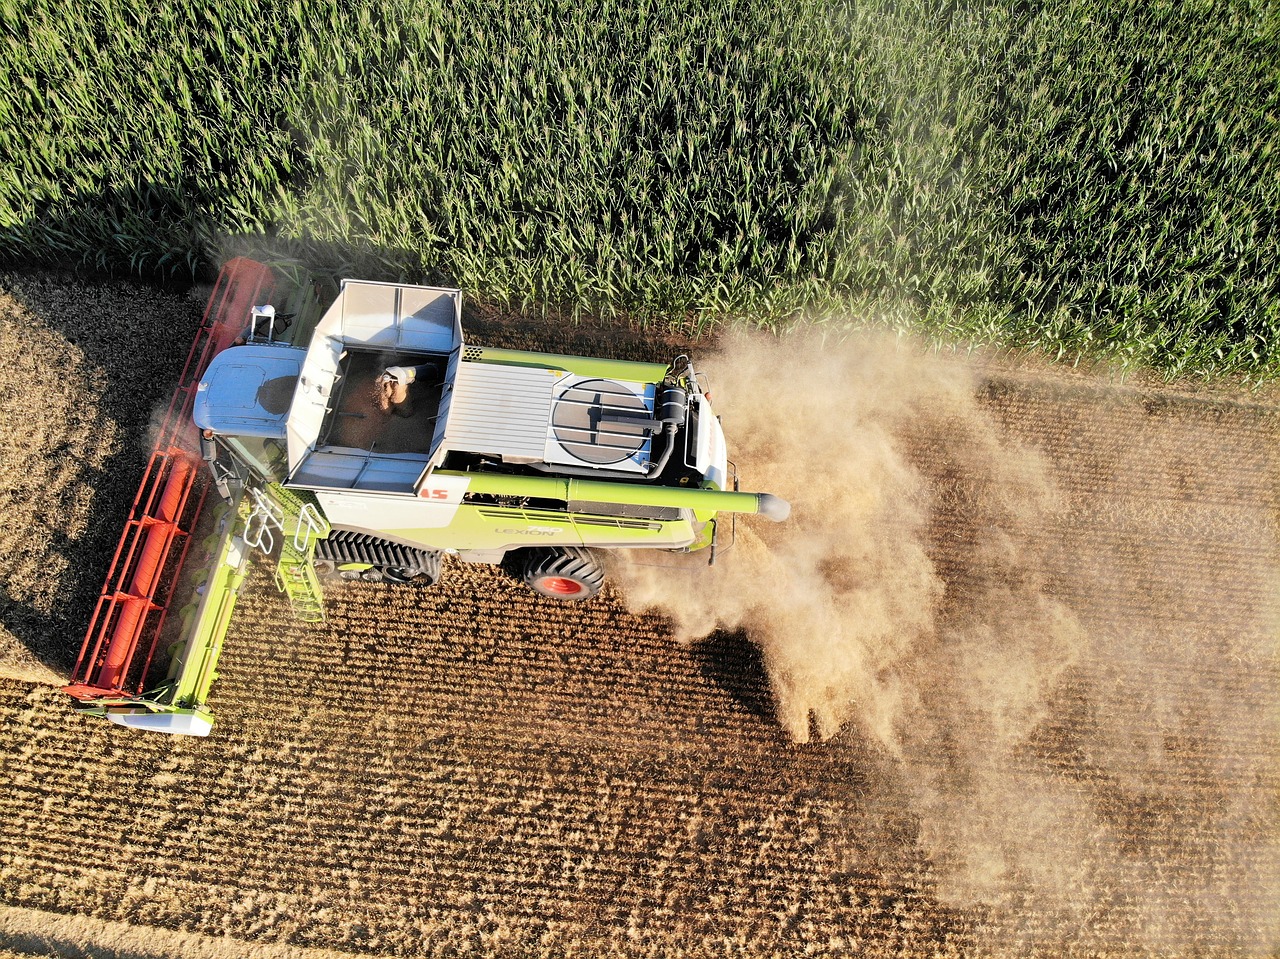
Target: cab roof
248	390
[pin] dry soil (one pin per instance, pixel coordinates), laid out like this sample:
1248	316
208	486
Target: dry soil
1070	750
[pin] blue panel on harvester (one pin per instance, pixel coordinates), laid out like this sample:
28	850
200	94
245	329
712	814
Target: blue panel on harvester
247	390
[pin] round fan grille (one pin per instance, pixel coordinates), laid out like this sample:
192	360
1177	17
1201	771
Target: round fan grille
579	420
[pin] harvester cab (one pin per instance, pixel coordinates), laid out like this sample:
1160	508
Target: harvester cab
369	444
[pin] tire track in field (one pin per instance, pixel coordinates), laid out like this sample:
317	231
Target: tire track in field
28	932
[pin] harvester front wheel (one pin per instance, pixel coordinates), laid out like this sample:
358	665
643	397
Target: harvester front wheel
563	572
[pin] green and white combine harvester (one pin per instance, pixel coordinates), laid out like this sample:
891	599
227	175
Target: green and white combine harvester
366	441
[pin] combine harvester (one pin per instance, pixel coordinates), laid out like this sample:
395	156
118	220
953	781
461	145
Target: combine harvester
367	442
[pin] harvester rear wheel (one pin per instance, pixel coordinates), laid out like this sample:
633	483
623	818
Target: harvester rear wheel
563	572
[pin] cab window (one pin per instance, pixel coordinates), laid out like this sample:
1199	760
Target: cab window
266	456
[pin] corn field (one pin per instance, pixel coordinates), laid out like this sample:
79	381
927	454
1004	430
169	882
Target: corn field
1077	177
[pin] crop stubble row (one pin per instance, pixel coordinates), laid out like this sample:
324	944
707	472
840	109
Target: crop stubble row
556	806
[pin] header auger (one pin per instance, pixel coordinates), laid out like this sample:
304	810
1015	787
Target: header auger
368	441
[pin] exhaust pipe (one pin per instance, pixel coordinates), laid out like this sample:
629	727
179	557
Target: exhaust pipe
673	411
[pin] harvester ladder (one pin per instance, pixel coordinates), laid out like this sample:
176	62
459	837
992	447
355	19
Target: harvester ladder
301	528
296	578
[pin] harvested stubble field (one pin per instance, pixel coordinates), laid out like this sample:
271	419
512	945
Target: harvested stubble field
1079	756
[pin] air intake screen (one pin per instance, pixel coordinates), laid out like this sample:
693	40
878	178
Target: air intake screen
581	422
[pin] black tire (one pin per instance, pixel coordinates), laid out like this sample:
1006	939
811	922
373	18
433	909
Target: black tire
568	573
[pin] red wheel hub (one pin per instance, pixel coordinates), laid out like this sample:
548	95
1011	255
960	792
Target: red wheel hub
561	586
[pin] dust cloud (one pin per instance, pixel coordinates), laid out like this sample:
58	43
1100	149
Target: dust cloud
900	600
857	622
1062	659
